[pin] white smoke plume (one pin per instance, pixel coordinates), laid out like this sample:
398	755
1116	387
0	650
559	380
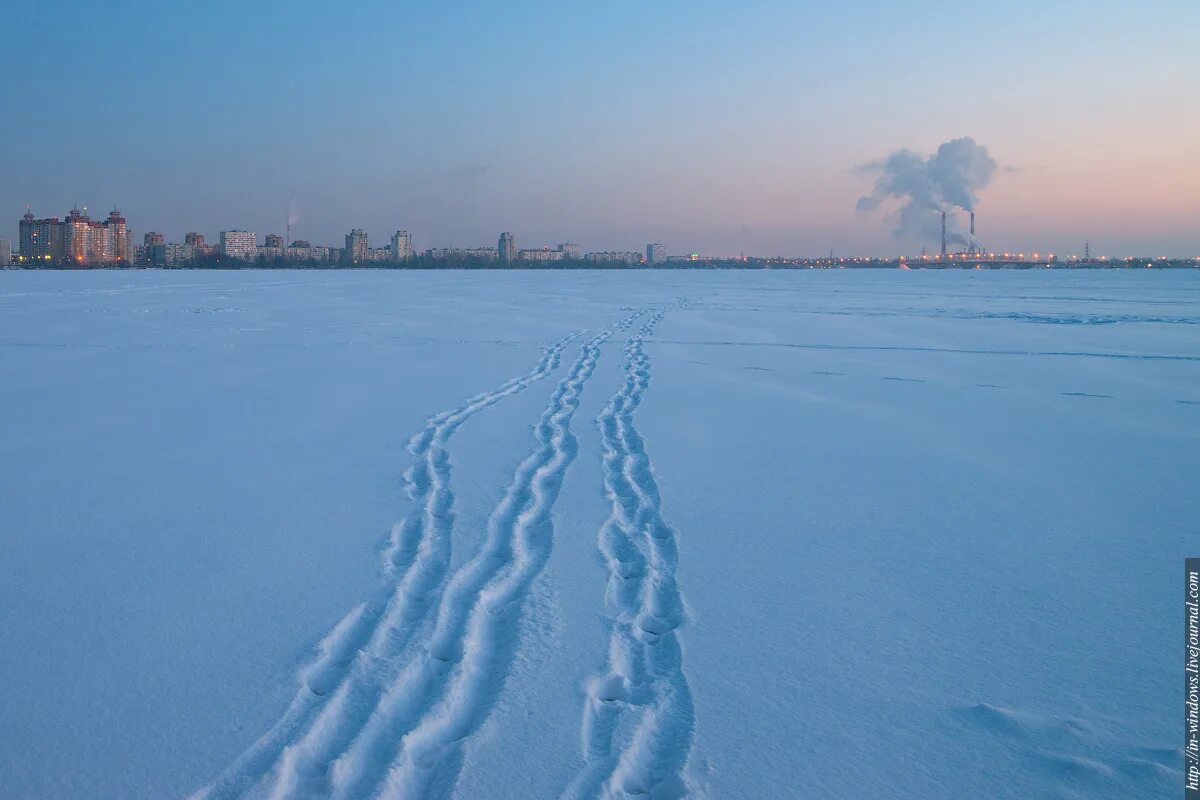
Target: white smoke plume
293	215
947	180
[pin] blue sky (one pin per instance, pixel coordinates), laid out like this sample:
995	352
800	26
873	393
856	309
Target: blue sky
714	127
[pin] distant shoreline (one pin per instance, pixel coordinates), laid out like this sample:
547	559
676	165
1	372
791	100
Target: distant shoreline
713	264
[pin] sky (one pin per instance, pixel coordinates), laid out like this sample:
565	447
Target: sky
716	128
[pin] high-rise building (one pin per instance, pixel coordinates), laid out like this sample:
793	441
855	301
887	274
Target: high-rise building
77	236
239	244
507	247
87	242
570	250
402	248
5	253
40	240
656	253
356	250
194	239
273	240
118	241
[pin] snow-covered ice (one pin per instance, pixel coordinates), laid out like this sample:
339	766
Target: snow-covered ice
584	534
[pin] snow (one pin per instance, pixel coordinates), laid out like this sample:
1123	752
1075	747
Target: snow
577	534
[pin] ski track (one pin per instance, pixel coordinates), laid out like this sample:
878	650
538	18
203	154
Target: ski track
410	744
345	675
644	685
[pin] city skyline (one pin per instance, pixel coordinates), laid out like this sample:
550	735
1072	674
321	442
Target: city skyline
78	240
719	130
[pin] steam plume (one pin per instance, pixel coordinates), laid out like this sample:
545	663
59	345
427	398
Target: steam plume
950	178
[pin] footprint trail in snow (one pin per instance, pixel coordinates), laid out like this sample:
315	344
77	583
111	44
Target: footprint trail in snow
406	676
350	658
644	685
411	746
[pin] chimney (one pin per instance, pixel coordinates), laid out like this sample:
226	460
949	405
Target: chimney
943	233
972	224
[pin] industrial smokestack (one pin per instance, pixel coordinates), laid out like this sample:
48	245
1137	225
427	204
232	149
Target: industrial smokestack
972	224
943	233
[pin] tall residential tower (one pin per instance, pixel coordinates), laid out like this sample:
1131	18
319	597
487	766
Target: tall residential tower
507	247
656	254
40	240
356	247
402	248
